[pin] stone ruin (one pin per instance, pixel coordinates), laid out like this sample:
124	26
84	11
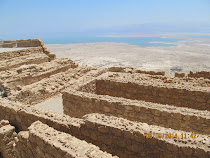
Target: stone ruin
110	112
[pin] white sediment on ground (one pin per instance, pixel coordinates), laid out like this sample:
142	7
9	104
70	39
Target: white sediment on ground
12	49
185	57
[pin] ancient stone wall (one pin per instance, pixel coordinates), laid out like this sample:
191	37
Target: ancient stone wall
204	74
179	74
44	141
131	139
198	74
134	70
8	44
35	43
164	95
115	135
47	87
7	139
77	104
13	59
27	74
9	41
29	43
17	53
22	116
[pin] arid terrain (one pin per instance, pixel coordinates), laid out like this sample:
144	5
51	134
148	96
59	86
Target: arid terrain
183	58
102	100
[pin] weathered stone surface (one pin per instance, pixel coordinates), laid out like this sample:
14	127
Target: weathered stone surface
48	87
105	129
7	139
4	123
10	41
139	128
44	140
29	43
151	113
133	70
196	99
179	74
28	74
204	74
132	133
8	45
15	59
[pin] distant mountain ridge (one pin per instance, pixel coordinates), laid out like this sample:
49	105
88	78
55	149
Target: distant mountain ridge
156	28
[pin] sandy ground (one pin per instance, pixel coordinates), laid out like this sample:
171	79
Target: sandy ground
184	57
54	104
11	49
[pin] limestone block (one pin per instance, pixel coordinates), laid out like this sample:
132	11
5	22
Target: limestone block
179	74
29	43
4	123
52	56
8	45
10	41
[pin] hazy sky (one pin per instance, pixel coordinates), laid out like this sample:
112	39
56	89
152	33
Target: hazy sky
24	16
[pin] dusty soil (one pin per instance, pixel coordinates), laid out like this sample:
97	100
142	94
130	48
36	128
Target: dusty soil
11	49
183	58
53	104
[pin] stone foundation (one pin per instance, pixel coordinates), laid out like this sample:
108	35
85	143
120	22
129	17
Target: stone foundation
22	116
44	141
134	70
196	97
15	59
10	41
8	44
179	74
7	139
199	74
24	75
48	87
78	104
131	139
117	136
18	53
29	43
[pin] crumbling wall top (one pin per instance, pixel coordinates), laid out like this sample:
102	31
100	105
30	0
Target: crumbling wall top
30	43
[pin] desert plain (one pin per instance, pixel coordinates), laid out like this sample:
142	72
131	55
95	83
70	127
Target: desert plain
191	55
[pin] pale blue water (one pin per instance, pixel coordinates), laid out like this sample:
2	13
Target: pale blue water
139	41
80	38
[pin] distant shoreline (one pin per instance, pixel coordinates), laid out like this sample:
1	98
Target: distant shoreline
167	35
142	40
